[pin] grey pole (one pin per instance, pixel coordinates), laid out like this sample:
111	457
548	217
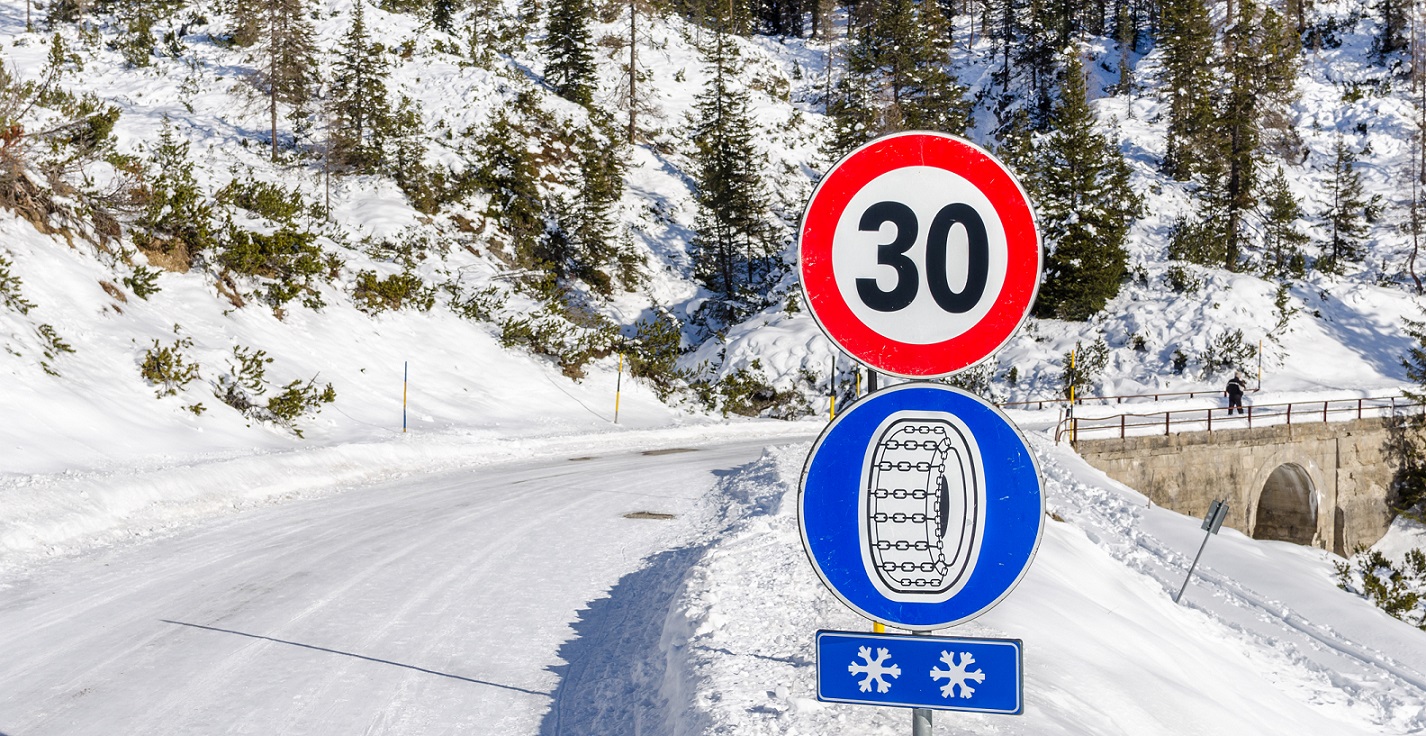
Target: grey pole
920	717
1189	576
1212	522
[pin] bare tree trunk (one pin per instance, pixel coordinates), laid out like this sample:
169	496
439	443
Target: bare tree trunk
272	75
633	68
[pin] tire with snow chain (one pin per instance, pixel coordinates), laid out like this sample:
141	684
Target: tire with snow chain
923	507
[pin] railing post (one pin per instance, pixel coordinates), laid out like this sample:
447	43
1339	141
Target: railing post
1359	408
1121	426
1250	416
1166	424
1210	419
1324	412
1289	415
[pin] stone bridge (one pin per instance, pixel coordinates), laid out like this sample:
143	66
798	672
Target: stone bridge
1326	484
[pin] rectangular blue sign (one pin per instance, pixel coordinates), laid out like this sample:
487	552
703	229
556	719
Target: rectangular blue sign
945	673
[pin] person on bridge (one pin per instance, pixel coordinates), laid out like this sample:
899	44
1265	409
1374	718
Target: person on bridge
1234	392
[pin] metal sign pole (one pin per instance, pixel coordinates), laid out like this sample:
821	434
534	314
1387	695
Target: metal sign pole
1211	523
921	717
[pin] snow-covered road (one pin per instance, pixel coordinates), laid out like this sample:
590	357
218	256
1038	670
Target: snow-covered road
425	605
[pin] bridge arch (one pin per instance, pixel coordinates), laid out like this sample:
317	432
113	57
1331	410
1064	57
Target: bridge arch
1286	505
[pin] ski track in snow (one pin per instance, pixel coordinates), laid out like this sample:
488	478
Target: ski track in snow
1112	513
732	626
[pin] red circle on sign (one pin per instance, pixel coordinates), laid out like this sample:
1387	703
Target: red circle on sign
1022	241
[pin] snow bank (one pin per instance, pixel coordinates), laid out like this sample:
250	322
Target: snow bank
1264	643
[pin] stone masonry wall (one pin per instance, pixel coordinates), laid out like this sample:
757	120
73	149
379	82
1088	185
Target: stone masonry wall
1349	470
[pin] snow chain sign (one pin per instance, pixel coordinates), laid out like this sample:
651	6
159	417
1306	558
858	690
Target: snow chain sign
919	254
921	506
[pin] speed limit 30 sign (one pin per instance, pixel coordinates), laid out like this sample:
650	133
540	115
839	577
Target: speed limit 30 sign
919	254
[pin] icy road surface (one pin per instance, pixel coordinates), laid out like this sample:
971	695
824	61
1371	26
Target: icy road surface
427	605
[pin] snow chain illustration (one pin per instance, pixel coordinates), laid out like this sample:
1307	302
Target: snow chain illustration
923	506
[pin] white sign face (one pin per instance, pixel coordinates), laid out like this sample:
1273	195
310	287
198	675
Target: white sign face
920	255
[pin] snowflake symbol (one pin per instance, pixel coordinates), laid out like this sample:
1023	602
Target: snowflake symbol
874	669
957	674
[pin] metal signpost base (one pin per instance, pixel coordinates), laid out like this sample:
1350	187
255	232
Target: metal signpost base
921	717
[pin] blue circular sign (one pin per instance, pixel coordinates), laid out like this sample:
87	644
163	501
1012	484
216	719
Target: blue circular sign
921	506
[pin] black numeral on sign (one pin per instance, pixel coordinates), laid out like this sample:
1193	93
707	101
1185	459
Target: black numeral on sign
938	244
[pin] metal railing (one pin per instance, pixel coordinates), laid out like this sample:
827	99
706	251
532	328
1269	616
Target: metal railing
1162	395
1120	426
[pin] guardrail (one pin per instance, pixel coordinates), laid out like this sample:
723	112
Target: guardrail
1120	426
1040	403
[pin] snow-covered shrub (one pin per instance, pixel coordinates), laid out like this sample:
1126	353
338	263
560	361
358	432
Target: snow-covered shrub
143	282
262	198
396	291
1398	590
53	347
246	381
10	294
653	354
298	399
165	367
747	392
246	378
290	259
572	337
1083	366
1227	352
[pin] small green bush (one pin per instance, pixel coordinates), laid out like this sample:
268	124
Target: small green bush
264	199
246	381
298	399
400	290
53	348
10	293
747	392
1083	367
290	258
166	368
654	353
1182	280
144	282
246	378
1227	352
1400	591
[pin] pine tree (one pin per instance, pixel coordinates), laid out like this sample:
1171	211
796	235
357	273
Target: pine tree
443	14
934	100
1260	70
570	65
898	76
360	111
510	176
1187	39
731	250
854	120
1081	188
287	52
1282	239
1395	22
1346	213
589	228
176	220
65	11
247	21
484	30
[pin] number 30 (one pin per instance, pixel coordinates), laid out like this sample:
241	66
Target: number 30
938	239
